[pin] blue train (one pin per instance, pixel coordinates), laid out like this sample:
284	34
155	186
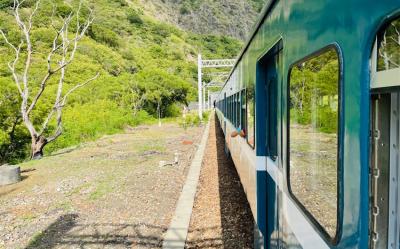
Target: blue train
311	117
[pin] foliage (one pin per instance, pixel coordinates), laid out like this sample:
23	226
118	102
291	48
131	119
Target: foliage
99	118
258	4
4	4
104	35
134	17
189	120
142	63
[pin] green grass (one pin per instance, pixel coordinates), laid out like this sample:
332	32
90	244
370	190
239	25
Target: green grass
102	188
36	240
152	146
65	205
28	217
78	189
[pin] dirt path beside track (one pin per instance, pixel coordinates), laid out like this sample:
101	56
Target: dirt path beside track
221	215
110	193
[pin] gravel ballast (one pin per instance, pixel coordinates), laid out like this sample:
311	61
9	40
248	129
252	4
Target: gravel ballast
221	215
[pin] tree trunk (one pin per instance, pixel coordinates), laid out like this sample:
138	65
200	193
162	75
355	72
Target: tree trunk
38	144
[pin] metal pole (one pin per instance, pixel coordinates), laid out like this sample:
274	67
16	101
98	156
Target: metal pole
199	75
204	98
209	100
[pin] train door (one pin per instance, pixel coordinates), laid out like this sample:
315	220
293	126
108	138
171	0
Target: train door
385	140
267	131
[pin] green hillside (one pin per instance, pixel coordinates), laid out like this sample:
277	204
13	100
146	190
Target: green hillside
144	64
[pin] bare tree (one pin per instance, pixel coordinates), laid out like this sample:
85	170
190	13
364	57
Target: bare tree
136	99
60	56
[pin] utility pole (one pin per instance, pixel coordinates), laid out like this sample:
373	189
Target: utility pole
200	86
208	100
219	63
204	98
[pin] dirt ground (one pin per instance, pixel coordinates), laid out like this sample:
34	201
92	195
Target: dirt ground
106	194
221	216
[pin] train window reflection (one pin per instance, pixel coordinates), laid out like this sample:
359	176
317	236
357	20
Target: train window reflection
313	132
389	47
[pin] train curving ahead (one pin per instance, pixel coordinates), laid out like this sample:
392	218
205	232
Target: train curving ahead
315	99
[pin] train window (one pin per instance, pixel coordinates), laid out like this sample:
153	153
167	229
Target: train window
243	111
234	110
229	108
250	104
313	137
389	44
238	109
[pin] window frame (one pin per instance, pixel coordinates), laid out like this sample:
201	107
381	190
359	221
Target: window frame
339	213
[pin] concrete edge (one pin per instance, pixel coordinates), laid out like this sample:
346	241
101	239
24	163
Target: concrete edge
175	237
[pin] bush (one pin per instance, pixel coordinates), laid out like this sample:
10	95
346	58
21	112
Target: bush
134	17
173	111
161	29
122	3
184	10
190	120
5	4
93	120
64	10
104	35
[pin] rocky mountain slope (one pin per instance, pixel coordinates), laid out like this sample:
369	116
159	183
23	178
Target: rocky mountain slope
234	18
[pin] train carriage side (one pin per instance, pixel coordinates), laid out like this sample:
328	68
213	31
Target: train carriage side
313	82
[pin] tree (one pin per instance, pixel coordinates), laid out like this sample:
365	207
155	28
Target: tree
161	90
60	56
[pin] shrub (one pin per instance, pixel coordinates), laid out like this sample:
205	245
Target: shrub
92	120
104	35
190	120
64	10
134	17
161	29
184	10
173	110
5	4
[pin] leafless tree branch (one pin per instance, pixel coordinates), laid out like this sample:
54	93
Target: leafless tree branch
12	64
65	48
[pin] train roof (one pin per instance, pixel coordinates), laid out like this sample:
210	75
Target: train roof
256	27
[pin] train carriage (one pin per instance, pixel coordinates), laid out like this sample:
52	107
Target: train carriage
316	92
